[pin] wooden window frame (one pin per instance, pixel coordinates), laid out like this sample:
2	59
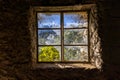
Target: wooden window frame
62	36
32	23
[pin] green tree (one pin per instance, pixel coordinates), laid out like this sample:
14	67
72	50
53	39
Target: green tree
72	53
48	53
73	37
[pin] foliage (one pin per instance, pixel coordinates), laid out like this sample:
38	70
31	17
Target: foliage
72	53
48	53
73	37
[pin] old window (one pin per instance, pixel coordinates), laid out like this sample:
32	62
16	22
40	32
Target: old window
62	36
65	36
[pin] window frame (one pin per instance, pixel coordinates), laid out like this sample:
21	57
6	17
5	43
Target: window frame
32	23
62	35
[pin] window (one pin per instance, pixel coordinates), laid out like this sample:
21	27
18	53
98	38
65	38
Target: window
65	36
62	36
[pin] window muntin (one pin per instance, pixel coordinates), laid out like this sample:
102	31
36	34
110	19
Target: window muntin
65	34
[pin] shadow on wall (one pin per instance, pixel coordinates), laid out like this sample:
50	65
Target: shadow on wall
60	2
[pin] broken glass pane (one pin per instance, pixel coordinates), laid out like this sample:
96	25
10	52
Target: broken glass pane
75	20
49	37
76	53
48	20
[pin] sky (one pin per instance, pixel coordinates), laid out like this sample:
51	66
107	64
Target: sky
54	19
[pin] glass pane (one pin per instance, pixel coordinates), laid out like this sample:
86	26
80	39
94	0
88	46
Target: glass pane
48	37
76	36
75	20
76	53
49	53
48	20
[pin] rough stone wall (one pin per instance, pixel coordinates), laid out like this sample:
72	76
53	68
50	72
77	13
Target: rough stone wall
33	36
108	19
109	32
15	43
95	42
14	40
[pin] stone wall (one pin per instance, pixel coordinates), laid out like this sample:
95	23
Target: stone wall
109	31
15	44
95	42
14	40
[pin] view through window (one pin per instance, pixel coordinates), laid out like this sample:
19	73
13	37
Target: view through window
62	37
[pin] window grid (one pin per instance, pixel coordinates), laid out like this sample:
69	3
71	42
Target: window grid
62	38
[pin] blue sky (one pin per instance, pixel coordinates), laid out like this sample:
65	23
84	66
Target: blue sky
54	19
